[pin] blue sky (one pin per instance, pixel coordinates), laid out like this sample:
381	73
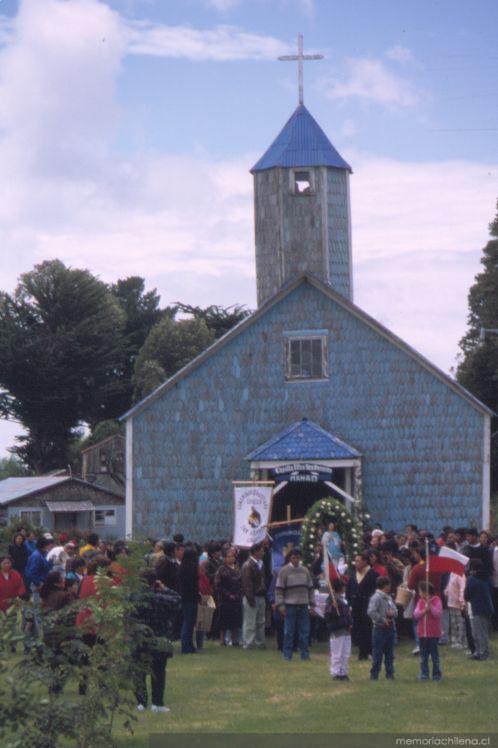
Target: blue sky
127	130
443	53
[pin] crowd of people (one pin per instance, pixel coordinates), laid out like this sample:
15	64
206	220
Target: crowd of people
236	597
393	589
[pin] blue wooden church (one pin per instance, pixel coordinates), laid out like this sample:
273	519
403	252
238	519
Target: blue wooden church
308	388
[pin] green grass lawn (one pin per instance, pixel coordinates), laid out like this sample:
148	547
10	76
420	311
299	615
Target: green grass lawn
231	690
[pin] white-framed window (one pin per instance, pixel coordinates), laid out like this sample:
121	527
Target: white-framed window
306	357
31	517
105	517
302	181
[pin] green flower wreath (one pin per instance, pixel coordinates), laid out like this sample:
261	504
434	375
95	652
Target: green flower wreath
317	518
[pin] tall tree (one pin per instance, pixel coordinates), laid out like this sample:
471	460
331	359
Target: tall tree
218	319
170	345
11	467
142	312
478	369
60	344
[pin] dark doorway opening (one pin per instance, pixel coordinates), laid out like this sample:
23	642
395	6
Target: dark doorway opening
65	520
300	496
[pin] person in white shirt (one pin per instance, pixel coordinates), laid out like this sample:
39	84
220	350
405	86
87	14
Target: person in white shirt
60	555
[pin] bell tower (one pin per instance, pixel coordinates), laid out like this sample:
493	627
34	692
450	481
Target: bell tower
302	206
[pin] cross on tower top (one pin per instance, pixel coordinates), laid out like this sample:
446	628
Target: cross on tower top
300	57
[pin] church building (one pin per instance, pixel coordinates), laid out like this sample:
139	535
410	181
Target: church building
309	387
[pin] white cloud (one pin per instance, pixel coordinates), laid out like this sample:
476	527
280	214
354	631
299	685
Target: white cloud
370	79
421	296
418	233
222	6
349	128
408	207
398	53
307	7
219	44
55	119
6	29
8	432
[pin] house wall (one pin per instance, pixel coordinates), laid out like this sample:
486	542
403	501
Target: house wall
422	443
73	492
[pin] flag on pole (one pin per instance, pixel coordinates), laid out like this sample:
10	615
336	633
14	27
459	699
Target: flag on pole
448	560
332	571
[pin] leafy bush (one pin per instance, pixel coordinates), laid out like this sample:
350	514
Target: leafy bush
39	701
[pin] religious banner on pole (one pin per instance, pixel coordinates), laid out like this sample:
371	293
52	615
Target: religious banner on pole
252	508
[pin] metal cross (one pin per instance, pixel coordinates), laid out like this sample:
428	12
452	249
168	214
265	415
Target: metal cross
300	57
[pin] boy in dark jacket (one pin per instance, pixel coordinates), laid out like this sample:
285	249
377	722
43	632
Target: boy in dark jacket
478	594
156	609
339	622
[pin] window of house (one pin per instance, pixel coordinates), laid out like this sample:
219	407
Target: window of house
31	517
105	517
307	357
302	182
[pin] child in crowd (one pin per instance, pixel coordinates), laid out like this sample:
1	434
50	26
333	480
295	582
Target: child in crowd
339	621
456	605
383	612
478	595
428	614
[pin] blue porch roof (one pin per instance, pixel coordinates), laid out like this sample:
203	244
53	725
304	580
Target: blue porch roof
303	440
301	142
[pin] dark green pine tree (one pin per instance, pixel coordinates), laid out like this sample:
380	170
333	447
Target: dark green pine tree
61	340
142	313
217	318
478	369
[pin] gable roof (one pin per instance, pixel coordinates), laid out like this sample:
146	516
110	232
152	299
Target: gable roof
287	289
107	440
301	142
304	440
12	489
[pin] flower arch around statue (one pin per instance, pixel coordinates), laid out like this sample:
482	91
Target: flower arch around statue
348	526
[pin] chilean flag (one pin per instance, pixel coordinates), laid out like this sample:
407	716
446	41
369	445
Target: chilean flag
448	560
333	572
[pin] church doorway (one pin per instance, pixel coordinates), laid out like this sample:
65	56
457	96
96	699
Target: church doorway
306	463
297	496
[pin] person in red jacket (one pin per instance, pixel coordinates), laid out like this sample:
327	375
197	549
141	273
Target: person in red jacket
11	584
374	560
417	575
427	613
88	589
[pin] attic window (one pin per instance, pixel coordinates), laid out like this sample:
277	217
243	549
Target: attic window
306	358
302	182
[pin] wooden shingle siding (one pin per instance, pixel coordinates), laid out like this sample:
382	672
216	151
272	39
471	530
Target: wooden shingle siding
421	441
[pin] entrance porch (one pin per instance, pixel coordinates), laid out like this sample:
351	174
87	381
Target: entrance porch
307	463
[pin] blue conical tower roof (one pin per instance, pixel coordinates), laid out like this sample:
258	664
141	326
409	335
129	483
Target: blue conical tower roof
301	142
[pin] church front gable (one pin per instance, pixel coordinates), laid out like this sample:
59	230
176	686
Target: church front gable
421	441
